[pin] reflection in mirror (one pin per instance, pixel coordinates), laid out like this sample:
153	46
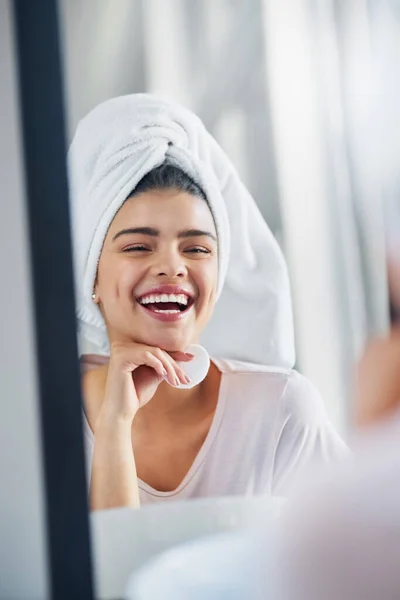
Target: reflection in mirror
176	245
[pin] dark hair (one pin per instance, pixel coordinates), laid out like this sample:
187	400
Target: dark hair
167	176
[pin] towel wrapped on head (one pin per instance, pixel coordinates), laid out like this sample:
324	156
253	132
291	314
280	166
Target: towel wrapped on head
114	147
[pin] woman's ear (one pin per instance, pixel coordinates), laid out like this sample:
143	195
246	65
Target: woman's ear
95	295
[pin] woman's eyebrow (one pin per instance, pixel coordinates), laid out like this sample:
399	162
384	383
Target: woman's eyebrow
141	230
187	233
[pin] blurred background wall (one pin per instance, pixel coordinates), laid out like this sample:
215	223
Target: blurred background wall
299	94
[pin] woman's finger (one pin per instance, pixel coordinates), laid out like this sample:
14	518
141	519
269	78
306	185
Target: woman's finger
179	371
155	363
181	356
168	364
164	363
176	374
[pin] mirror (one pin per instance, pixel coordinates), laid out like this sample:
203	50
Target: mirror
290	97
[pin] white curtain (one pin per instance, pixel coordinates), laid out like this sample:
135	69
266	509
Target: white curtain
328	94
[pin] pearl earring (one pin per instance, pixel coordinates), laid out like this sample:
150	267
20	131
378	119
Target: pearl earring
93	296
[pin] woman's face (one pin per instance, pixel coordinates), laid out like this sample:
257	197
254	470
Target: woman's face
157	274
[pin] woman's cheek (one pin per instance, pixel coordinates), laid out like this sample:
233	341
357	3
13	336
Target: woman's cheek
127	276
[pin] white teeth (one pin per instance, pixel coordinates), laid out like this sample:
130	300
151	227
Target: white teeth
167	312
182	299
152	299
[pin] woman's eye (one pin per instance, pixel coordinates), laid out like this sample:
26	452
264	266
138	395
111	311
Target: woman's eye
198	251
136	249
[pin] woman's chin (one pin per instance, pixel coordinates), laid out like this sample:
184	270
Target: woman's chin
169	342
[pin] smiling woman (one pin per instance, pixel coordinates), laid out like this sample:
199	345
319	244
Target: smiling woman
156	204
160	260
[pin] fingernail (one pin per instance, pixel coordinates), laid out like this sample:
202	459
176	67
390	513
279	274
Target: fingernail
189	355
187	379
177	381
165	372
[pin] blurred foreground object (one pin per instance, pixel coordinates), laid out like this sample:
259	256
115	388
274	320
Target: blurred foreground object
222	567
344	543
378	393
127	544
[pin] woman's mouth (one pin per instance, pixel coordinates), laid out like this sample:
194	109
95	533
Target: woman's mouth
166	307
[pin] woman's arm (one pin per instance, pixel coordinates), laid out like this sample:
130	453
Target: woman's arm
305	435
134	373
114	480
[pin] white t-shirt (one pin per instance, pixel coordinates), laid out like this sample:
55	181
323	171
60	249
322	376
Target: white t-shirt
268	425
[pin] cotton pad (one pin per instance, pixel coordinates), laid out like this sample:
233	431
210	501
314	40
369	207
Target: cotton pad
197	368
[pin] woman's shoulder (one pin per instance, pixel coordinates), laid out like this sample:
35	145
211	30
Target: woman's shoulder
230	366
293	394
236	369
90	362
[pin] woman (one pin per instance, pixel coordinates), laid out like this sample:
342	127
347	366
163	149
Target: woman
163	229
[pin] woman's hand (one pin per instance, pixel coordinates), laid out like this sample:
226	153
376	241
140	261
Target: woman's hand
134	374
378	393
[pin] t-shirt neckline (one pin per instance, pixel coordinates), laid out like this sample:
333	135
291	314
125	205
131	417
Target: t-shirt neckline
202	453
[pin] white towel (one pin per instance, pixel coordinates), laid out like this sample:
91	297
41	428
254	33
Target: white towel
118	143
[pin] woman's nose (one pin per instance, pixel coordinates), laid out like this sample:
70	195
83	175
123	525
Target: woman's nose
169	265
